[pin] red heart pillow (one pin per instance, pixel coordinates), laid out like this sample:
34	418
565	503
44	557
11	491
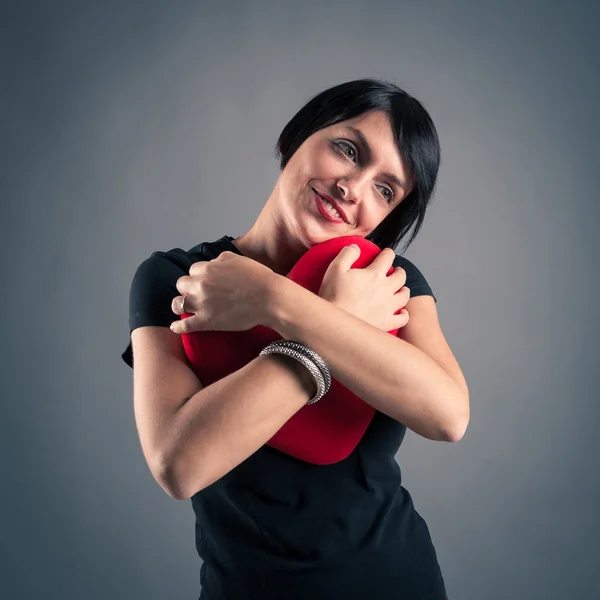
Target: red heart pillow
322	433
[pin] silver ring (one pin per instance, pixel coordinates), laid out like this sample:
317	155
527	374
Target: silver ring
181	308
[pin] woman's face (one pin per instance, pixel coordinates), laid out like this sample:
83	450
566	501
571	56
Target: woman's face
357	164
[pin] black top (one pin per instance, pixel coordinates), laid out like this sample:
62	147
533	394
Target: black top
277	527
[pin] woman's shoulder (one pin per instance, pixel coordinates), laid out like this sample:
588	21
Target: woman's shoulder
415	280
178	258
154	285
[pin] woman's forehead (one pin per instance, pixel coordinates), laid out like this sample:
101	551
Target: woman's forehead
373	119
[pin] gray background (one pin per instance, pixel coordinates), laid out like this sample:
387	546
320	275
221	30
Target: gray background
133	127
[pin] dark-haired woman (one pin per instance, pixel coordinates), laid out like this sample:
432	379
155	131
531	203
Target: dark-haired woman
360	159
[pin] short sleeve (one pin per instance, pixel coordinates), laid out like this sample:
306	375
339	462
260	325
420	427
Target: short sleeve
415	280
152	290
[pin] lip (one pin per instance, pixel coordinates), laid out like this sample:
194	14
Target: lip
337	206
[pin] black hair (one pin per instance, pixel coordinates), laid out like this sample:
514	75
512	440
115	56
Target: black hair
416	138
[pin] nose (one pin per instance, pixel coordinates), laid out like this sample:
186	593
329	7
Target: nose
350	189
347	192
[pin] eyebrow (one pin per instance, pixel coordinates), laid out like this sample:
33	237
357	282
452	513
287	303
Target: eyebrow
367	150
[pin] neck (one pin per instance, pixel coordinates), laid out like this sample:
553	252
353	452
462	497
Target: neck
270	241
272	249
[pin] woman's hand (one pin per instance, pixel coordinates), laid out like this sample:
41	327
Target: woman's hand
368	293
228	293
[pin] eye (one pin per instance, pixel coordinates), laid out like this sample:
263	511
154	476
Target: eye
341	144
390	195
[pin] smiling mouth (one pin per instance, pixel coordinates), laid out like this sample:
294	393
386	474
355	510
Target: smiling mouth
325	211
328	209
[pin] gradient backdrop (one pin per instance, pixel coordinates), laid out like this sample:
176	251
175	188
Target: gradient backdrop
132	127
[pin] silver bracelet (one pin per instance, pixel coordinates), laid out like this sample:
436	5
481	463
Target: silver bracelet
309	353
301	353
307	362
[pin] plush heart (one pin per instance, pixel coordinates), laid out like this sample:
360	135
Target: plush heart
322	433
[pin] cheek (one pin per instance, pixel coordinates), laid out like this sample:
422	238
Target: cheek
319	160
315	163
308	171
370	217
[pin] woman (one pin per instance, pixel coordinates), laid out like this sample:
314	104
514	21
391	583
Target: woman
360	159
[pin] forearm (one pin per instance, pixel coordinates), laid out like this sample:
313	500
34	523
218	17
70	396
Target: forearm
385	371
226	422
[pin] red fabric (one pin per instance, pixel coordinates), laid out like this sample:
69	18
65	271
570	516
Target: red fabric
322	433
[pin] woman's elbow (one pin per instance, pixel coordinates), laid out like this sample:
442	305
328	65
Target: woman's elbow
174	486
457	430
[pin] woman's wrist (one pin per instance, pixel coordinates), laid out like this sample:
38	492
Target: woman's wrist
301	372
277	293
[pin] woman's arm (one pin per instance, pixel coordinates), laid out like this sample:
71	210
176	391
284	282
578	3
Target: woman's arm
389	373
192	435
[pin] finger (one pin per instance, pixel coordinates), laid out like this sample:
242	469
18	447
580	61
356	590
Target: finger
404	293
383	261
400	300
347	257
177	303
402	318
398	277
182	326
183	284
198	268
